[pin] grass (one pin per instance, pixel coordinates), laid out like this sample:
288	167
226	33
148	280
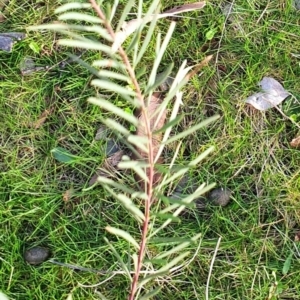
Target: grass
252	158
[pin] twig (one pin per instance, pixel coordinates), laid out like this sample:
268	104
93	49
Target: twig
210	269
149	189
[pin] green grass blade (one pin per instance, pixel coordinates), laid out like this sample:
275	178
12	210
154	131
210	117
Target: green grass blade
123	234
191	130
112	108
119	258
102	297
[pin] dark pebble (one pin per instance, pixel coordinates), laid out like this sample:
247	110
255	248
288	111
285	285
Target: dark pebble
36	255
219	196
111	147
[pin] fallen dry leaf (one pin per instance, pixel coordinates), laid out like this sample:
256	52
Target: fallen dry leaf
295	143
130	27
67	195
42	118
272	94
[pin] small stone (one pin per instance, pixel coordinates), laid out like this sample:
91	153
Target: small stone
112	147
219	196
36	255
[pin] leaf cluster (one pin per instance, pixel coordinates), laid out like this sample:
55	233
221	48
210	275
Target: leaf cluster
117	74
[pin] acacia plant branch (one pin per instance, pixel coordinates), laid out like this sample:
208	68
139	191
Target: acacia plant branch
149	188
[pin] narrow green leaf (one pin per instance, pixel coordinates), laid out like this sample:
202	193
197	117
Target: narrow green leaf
174	262
200	157
108	85
168	241
176	175
134	41
169	124
175	200
116	126
107	181
64	156
89	45
79	17
287	264
191	130
136	167
70	6
84	64
161	78
64	28
114	75
147	40
150	294
129	205
139	141
112	108
164	216
201	190
113	10
119	258
131	164
178	247
108	63
160	55
125	13
123	234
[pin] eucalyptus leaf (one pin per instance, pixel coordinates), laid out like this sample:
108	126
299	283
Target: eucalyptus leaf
90	45
191	130
123	234
80	17
71	6
107	105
